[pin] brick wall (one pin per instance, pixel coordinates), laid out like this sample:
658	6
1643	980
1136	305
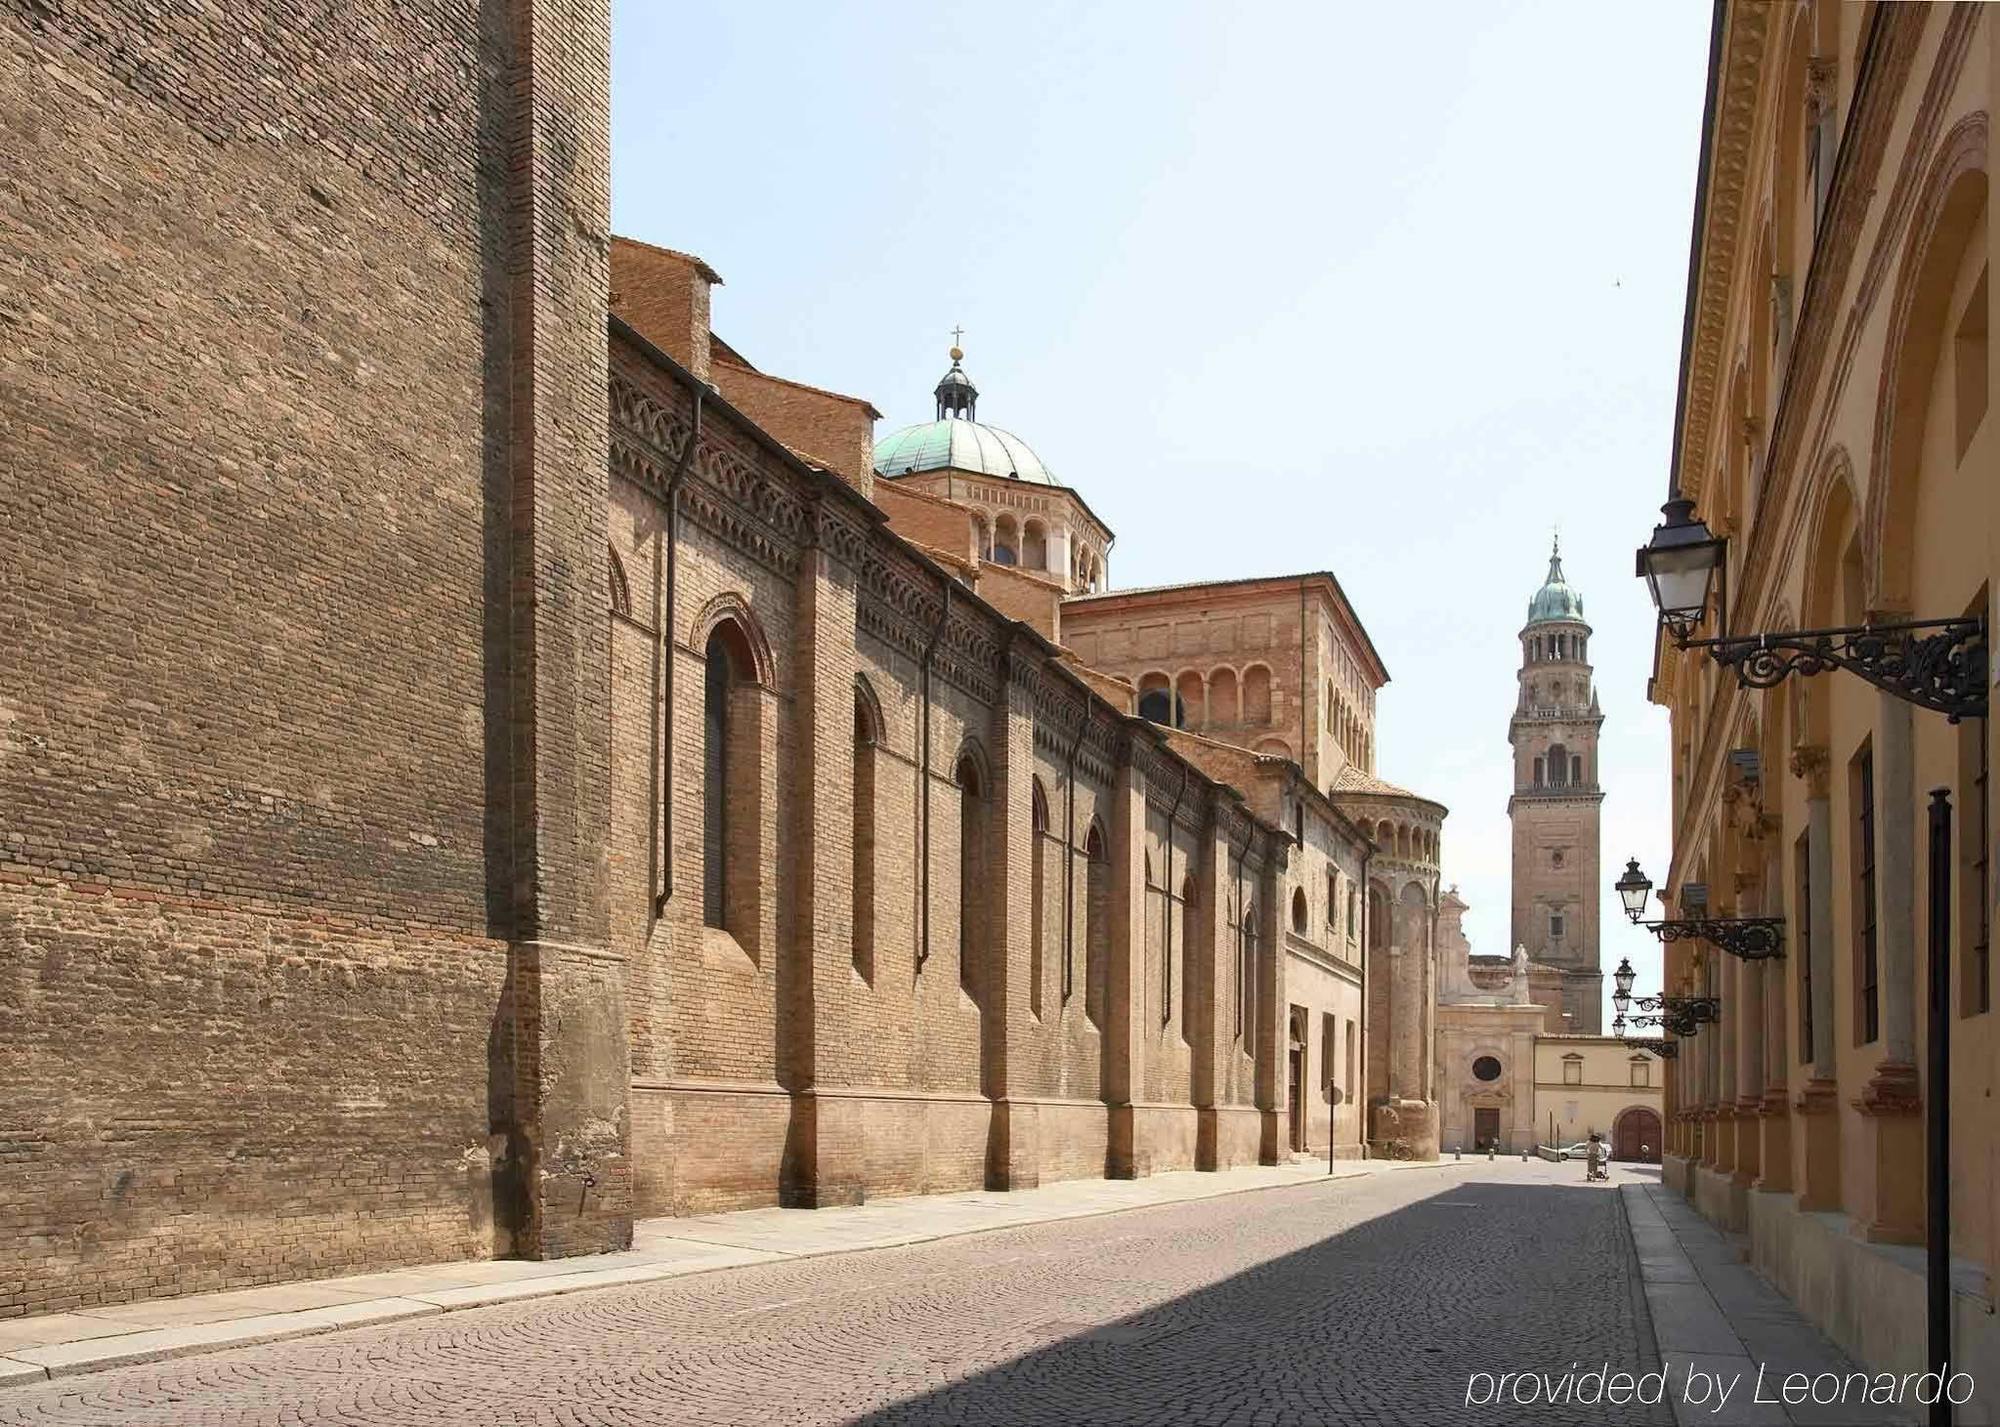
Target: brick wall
262	393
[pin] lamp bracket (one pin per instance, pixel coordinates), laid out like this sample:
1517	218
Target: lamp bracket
1747	938
1938	664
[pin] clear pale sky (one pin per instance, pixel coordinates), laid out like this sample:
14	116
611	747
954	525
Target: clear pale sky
1391	291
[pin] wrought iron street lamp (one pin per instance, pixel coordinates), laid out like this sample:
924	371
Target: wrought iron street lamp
1750	938
1680	565
1659	1045
1938	664
1621	983
1633	889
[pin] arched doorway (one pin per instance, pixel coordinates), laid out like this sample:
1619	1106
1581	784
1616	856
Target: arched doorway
1635	1135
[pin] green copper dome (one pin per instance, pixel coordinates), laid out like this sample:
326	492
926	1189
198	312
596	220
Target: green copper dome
957	441
1557	599
962	445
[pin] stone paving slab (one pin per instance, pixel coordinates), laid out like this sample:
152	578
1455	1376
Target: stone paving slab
90	1339
1712	1314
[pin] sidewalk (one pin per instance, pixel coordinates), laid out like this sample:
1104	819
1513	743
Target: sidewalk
89	1339
1713	1313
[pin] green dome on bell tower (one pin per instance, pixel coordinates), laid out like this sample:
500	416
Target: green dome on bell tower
1557	599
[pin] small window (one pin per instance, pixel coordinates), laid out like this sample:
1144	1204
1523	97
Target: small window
1555	926
1486	1068
1572	1070
1299	913
1556	857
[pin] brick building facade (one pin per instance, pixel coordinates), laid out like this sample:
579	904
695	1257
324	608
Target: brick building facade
472	778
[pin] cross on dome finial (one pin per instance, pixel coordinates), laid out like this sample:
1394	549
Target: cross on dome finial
957	336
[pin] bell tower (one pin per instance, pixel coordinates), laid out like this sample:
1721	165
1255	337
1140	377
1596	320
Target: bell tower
1555	806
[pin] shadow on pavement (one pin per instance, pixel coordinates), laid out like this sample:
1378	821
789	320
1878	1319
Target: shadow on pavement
1380	1324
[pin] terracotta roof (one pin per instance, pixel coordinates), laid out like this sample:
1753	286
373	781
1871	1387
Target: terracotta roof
860	401
1353	780
707	272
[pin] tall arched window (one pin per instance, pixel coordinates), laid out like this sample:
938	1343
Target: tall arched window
1300	916
865	739
1190	925
1558	765
1038	891
1096	924
1246	974
726	761
971	872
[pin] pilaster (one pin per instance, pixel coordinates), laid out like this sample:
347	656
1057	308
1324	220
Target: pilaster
562	1036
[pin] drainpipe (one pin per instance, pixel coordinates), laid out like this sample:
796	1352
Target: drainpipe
667	625
924	774
1167	1001
1069	853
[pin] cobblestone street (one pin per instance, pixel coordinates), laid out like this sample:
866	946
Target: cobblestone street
1263	1308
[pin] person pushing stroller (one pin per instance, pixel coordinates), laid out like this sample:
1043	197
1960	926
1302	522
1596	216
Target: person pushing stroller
1594	1165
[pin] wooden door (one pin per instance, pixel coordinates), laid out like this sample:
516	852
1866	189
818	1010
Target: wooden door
1636	1136
1485	1127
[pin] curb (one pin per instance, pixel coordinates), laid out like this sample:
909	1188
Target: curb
26	1367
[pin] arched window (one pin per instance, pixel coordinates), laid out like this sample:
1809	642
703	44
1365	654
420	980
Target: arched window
971	872
1558	765
1096	924
1192	700
621	588
1223	706
729	773
1299	912
865	738
1034	546
1190	926
1576	769
1353	911
1157	702
1246	972
1038	891
1540	773
1257	695
1332	904
1006	541
1378	918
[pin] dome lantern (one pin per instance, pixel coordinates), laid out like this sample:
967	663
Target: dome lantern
956	395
